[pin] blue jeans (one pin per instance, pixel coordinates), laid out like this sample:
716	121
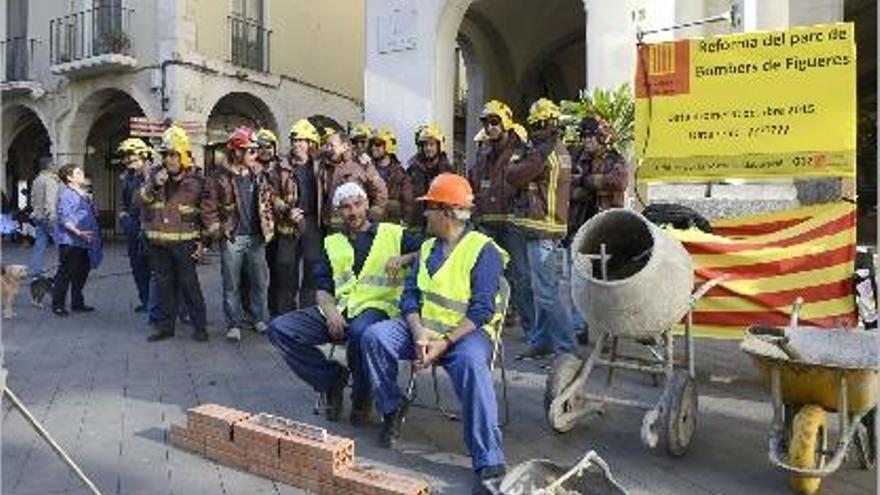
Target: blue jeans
299	333
578	321
43	234
467	364
517	272
245	252
553	329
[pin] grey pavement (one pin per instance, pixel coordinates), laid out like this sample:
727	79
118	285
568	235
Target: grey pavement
108	397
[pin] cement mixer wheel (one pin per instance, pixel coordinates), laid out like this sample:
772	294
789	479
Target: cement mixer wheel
679	421
565	370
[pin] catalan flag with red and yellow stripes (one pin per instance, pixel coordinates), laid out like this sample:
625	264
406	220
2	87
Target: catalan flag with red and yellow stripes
770	260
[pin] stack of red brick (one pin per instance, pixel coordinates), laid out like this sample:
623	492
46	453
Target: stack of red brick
320	465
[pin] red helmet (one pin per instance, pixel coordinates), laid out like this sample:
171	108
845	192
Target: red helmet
241	137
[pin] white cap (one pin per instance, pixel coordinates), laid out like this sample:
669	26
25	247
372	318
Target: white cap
348	190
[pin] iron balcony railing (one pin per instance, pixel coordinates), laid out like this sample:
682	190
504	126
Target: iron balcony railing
98	31
18	57
249	43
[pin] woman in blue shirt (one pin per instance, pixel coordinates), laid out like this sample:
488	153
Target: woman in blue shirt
78	238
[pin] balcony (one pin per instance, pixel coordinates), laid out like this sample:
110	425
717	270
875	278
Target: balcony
249	44
18	59
91	42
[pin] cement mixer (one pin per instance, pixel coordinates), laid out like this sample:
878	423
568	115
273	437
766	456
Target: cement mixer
633	282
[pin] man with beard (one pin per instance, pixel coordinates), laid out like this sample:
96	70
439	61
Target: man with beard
383	152
338	167
424	167
359	279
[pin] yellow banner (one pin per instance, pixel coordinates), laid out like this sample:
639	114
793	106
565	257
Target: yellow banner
754	105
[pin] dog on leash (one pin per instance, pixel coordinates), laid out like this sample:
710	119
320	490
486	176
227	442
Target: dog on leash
40	288
12	277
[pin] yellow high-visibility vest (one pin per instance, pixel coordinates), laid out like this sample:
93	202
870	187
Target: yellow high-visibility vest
446	294
373	287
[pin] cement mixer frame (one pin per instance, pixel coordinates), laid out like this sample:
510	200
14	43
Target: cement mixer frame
671	420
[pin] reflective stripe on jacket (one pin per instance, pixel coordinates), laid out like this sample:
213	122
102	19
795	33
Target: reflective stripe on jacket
373	287
446	294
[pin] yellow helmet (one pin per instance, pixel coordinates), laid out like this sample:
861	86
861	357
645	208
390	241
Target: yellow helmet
175	139
500	110
134	146
361	131
542	110
303	129
431	131
521	132
265	137
386	135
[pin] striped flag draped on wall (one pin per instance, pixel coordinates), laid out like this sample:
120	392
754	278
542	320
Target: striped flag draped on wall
771	260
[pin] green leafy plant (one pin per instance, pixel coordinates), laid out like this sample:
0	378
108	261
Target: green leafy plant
616	106
117	41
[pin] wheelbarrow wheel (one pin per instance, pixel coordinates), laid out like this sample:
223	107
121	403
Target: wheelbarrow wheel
809	435
565	370
678	424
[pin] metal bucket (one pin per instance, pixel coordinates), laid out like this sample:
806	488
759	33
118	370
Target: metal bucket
647	280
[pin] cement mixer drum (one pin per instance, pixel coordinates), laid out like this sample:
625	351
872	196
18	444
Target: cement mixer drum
647	279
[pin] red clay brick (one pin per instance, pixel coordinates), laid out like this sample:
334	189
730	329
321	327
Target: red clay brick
337	452
178	438
365	479
252	436
227	457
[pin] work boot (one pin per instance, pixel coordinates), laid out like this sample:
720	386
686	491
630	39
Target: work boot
390	429
486	477
200	335
160	334
535	352
361	408
335	396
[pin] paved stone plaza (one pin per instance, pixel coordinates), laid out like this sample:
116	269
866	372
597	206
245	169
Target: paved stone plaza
108	398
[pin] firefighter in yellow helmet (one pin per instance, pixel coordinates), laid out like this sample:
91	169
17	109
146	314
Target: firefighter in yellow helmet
383	152
429	162
175	208
542	179
137	157
493	210
302	242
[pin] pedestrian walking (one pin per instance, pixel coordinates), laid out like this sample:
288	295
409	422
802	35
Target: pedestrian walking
44	214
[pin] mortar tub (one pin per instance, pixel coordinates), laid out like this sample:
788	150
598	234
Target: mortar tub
649	275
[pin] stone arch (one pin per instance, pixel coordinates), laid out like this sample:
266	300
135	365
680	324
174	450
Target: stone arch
26	138
237	108
100	122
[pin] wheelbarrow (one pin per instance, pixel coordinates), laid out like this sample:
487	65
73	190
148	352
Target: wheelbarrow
632	281
812	372
589	476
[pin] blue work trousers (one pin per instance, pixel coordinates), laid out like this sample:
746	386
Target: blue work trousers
553	327
467	364
518	272
299	333
137	259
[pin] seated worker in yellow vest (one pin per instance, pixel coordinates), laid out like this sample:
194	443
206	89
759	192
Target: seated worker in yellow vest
447	307
359	281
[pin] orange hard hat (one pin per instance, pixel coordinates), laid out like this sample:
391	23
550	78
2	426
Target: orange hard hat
450	189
